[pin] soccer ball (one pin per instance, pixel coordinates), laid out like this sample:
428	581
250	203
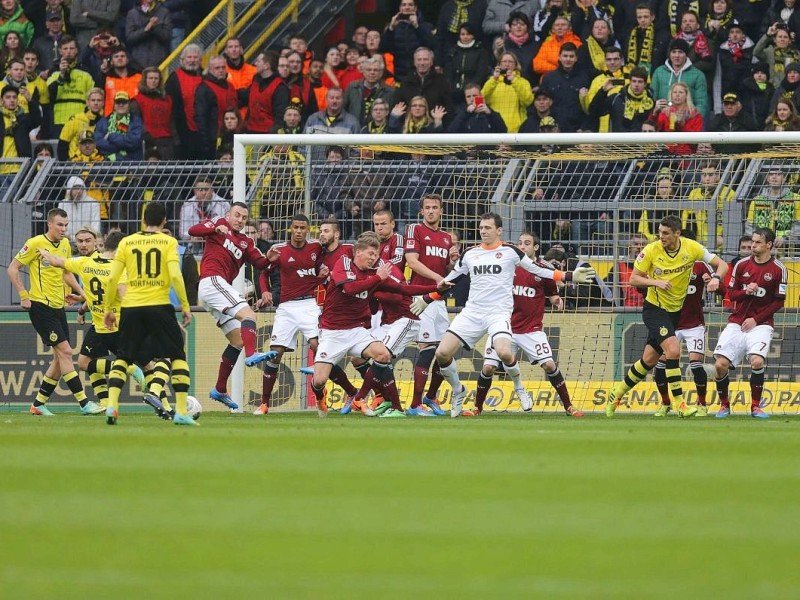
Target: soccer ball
193	407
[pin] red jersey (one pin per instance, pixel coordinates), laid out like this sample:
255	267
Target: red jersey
692	310
392	251
348	296
299	269
771	278
329	259
224	255
396	306
529	294
433	248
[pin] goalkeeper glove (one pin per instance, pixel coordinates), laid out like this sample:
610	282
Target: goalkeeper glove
583	275
419	304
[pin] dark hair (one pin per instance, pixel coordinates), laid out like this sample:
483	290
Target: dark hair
672	222
644	6
490	216
300	217
431	196
766	233
56	212
66	39
112	240
745	238
338	149
533	236
154	214
240	205
568	46
639	73
271	58
333	222
43	146
472	85
612	50
31	50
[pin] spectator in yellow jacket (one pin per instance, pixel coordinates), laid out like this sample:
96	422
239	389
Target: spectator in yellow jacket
507	93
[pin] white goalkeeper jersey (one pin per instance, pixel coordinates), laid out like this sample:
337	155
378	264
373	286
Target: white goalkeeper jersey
491	272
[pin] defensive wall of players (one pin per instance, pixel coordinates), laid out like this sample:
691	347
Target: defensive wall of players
592	350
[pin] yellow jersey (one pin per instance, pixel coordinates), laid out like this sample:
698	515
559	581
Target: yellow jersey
95	274
47	281
146	256
676	267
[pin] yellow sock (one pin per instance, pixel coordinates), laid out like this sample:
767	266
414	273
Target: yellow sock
180	383
116	379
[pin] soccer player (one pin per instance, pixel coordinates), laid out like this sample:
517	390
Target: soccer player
691	330
665	268
45	305
226	250
300	264
758	287
346	317
86	241
527	335
430	254
147	318
99	342
491	267
391	242
398	328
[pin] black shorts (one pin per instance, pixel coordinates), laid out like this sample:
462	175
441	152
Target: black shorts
98	345
660	324
148	332
49	323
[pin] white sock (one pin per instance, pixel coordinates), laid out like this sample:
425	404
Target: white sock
515	374
450	374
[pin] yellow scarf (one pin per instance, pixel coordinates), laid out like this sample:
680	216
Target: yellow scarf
637	105
674	16
597	53
645	55
460	15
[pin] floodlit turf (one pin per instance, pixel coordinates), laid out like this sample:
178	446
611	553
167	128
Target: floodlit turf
290	506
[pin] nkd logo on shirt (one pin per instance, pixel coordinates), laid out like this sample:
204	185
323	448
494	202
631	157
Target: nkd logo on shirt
487	269
435	251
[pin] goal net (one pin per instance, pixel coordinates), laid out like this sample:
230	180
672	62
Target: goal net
593	199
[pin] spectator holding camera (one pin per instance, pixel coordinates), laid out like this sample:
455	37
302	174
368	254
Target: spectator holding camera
476	117
68	86
775	48
405	33
96	57
508	93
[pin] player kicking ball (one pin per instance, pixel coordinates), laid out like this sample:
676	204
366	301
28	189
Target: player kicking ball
527	335
491	267
758	288
226	250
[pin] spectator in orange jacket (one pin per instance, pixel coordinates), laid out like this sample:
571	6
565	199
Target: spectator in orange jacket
118	77
240	73
546	59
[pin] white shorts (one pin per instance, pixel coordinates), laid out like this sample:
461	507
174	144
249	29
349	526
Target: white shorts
375	322
534	345
335	344
470	327
221	301
398	335
695	338
735	345
292	317
433	322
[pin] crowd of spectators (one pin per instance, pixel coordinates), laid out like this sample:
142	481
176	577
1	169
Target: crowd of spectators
86	73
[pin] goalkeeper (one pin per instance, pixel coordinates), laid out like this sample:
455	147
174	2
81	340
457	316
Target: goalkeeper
491	267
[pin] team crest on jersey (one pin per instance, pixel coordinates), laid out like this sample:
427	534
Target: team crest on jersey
45	263
499	255
243	243
693	276
426	335
767	276
657	272
323	355
274	338
53	336
313	256
411	243
663	331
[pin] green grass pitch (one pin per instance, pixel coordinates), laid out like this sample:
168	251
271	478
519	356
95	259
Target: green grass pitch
289	506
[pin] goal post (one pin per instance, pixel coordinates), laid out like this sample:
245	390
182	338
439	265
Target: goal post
594	198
